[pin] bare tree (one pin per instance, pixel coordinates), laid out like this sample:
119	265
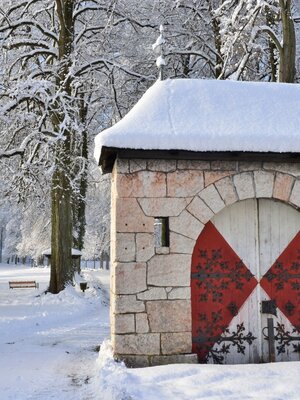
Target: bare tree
59	62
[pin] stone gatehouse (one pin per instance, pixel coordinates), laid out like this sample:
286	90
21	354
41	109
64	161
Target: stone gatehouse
204	245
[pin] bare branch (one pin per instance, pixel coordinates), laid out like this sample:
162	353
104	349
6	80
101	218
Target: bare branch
32	23
101	62
272	35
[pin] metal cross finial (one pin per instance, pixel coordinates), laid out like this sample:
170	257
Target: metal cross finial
158	49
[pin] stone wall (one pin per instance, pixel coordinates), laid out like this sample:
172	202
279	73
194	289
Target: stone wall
150	291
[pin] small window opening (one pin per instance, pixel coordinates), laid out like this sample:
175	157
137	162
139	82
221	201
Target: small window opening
161	232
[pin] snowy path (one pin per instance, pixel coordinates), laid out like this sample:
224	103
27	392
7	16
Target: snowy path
49	344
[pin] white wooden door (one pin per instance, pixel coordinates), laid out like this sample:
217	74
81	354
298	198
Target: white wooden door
246	277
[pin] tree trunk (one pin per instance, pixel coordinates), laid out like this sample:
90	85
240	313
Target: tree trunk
218	44
61	234
272	48
288	52
78	205
79	202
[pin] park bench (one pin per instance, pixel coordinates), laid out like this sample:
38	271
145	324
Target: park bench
23	284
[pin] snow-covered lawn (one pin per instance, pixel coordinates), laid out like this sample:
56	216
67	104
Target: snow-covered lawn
49	344
48	350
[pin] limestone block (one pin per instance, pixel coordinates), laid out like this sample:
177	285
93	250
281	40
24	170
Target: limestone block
227	191
140	344
169	315
162	250
214	176
200	210
163	207
129	217
141	184
183	293
123	323
125	247
264	182
176	343
244	166
144	246
212	198
141	323
186	224
174	359
137	165
224	165
244	185
169	270
183	183
130	278
134	361
193	164
153	293
161	165
126	304
181	244
283	186
295	196
287	168
122	166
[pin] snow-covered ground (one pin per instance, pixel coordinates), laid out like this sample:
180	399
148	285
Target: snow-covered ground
49	350
49	344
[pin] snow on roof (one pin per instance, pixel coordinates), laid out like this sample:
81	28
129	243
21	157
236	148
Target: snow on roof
210	115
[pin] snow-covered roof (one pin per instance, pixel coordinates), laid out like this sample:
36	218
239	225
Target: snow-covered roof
210	115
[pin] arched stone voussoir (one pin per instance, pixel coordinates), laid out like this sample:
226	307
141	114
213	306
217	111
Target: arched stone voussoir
295	195
181	244
212	198
200	210
244	185
186	224
263	184
283	186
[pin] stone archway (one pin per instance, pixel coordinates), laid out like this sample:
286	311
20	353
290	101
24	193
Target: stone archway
224	191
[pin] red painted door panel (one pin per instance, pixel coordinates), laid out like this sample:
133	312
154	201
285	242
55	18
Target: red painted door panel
227	296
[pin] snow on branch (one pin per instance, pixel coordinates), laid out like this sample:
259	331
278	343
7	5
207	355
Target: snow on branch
82	10
23	22
197	53
272	34
102	62
18	150
27	56
14	44
122	17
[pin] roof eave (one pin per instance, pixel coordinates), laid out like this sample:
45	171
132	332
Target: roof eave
109	155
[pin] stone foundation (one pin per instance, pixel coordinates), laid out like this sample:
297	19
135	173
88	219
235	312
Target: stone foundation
150	299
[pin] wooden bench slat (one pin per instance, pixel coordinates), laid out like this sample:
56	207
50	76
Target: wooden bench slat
22	284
